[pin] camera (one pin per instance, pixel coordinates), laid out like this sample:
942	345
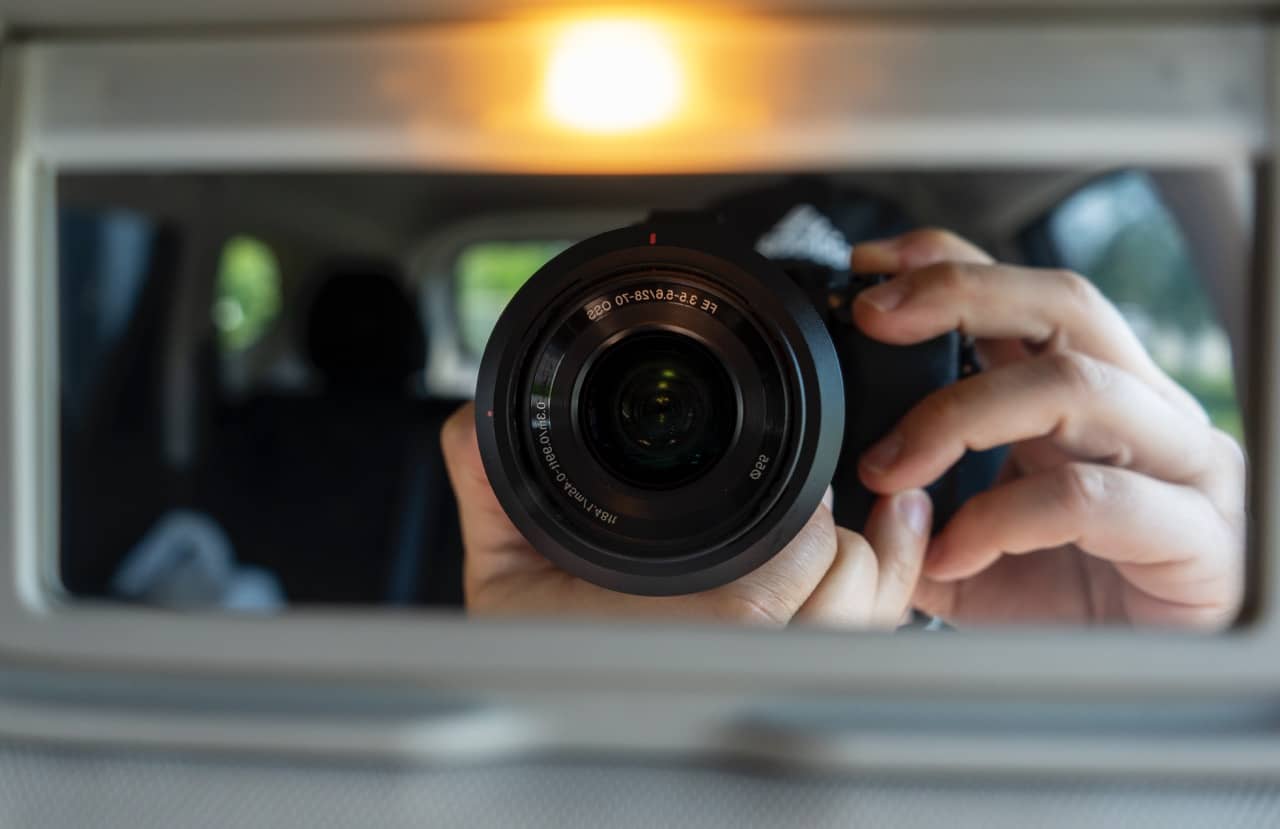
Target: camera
661	408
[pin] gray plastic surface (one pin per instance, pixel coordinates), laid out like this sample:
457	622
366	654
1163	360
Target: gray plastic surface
42	789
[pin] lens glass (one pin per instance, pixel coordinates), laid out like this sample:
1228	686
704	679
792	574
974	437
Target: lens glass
658	409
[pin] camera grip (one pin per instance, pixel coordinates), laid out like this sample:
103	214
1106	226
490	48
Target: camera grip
882	383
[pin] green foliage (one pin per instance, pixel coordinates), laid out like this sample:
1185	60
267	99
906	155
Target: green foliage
248	294
488	274
1146	264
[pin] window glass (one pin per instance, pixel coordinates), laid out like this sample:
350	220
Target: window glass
247	299
1117	232
103	262
487	275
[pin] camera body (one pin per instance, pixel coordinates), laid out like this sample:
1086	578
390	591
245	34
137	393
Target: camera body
660	408
882	383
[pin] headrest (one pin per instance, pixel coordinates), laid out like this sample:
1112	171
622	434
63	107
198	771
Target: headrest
362	330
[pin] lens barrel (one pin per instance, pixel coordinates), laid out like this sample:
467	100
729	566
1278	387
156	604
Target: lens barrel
660	409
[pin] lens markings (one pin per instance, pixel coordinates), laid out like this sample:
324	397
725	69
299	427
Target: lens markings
542	431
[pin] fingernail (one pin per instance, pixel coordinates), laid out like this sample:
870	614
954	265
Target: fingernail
879	255
881	456
885	297
878	245
914	509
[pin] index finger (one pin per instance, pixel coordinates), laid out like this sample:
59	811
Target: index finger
1044	310
917	249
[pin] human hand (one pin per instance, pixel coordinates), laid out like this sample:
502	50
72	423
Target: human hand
1120	503
827	575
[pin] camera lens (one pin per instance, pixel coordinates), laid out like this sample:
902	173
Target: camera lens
658	409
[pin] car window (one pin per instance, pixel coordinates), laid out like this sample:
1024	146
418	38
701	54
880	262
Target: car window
487	274
1118	232
247	297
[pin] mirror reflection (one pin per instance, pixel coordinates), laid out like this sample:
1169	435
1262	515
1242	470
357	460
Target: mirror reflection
864	400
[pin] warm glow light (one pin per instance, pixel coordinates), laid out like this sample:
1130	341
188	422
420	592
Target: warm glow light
613	76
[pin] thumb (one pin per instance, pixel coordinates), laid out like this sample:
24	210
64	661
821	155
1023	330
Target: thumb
898	530
487	533
872	578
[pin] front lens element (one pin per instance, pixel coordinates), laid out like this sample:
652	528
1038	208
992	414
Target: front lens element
658	409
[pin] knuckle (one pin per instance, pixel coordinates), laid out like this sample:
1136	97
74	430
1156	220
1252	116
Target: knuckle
850	544
934	240
897	579
1077	291
1080	373
1081	488
953	278
1229	452
942	407
1228	477
758	606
